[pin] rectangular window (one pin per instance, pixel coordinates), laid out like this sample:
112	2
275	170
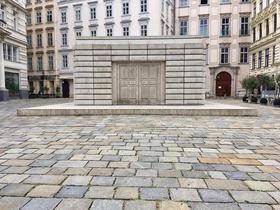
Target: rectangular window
40	63
254	9
243	54
39	40
225	26
78	14
63	15
273	54
93	32
225	1
267	26
93	13
49	16
29	63
109	12
254	34
125	8
204	2
183	27
261	5
29	40
143	6
65	61
245	1
260	30
125	31
78	33
203	21
224	55
64	39
50	62
183	3
266	62
244	26
109	31
144	30
39	17
254	61
260	59
274	22
50	39
28	20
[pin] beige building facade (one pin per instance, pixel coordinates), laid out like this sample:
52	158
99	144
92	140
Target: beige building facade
42	50
13	73
265	49
225	28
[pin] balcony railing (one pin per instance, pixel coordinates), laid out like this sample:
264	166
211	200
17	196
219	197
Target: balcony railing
3	28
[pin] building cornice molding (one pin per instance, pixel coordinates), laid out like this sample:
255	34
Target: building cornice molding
264	14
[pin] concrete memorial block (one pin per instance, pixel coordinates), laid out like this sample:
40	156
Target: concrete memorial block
139	71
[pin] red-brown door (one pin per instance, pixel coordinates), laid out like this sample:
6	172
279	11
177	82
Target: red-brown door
223	84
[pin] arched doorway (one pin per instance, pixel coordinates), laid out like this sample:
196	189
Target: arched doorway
65	89
223	84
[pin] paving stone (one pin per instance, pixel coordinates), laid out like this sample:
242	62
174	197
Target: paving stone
77	171
38	170
74	204
172	205
124	172
165	182
107	204
77	180
169	173
260	186
44	179
44	191
255	207
126	193
237	175
162	166
13	178
12	203
225	184
101	172
72	192
214	206
133	182
216	196
15	170
275	195
100	192
252	197
247	168
16	190
70	163
102	180
217	175
181	194
154	194
195	174
140	205
146	172
42	204
192	183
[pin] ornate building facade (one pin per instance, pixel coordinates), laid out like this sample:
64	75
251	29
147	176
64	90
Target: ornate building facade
13	73
265	49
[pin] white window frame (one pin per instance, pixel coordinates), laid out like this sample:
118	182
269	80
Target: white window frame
184	23
143	6
224	54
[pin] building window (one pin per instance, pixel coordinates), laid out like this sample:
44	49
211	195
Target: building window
143	6
260	59
144	30
225	1
78	14
254	9
39	17
183	27
29	63
243	54
39	40
39	62
245	1
28	20
267	26
10	52
2	12
183	3
78	33
254	34
65	61
125	8
254	61
224	55
50	62
244	26
29	40
203	2
64	39
93	32
93	13
109	11
274	22
266	62
225	26
125	31
203	21
273	54
261	5
15	20
63	15
49	16
260	30
109	31
50	39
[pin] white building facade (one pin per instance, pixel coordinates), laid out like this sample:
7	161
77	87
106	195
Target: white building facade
225	26
13	68
107	18
265	50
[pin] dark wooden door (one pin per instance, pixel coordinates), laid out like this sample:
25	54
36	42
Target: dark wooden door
65	89
223	84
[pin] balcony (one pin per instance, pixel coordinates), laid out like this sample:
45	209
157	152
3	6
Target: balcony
3	28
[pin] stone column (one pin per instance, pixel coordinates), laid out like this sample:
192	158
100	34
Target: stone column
4	94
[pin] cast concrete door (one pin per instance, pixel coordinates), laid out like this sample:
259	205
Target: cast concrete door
138	83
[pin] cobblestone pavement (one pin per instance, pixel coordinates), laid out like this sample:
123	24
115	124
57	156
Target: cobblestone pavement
139	162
